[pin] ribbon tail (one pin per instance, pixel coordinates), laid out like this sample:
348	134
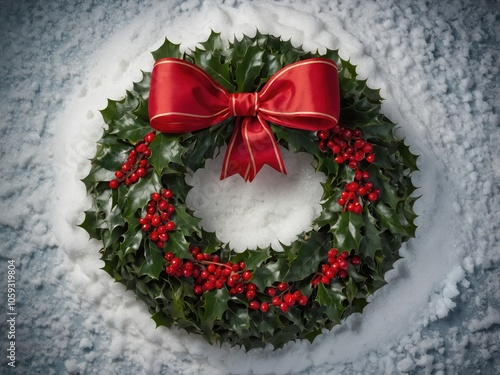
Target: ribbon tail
252	146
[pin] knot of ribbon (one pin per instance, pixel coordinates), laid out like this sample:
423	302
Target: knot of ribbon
303	95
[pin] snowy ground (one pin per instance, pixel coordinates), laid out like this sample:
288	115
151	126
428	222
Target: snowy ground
437	66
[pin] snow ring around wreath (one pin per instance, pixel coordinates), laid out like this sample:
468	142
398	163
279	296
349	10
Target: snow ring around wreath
320	278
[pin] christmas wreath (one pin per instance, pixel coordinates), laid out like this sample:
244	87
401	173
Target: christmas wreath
152	243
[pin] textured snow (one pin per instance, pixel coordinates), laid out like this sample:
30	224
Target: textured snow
437	67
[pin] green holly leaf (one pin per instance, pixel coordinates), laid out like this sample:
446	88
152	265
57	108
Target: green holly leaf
215	306
389	219
185	221
330	298
371	241
167	49
153	263
131	241
347	231
267	274
253	258
248	69
131	128
165	150
310	254
111	152
142	87
138	194
178	245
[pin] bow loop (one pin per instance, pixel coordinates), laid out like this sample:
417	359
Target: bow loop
303	95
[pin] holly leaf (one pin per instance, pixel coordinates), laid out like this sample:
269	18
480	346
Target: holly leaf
186	223
389	219
311	253
111	152
371	241
330	298
215	306
267	274
248	69
131	128
215	64
347	231
166	149
167	49
253	258
178	245
131	241
153	261
137	195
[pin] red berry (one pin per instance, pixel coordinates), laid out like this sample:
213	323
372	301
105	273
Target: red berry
282	287
302	301
352	186
254	305
264	307
323	134
271	292
170	226
113	184
147	152
250	294
339	159
197	290
289	299
367	148
170	209
372	197
141	172
332	252
211	268
126	167
149	137
347	134
154	236
342	274
370	158
247	275
276	301
169	256
355	260
284	307
359	143
219	284
155	196
353	164
176	262
119	174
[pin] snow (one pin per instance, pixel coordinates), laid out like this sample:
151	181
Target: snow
437	67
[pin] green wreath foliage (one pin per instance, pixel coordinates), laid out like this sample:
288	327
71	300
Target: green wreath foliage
132	259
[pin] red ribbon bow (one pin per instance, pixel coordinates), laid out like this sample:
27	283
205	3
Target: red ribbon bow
303	95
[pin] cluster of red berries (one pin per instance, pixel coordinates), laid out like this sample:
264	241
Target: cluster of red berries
283	298
157	221
349	198
136	166
347	145
210	273
336	266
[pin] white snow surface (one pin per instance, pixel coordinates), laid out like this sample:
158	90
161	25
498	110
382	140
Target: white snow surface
437	67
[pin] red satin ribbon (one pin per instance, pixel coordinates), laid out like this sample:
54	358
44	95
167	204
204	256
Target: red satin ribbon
304	95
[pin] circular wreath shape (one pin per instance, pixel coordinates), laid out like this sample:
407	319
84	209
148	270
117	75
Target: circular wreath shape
153	244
